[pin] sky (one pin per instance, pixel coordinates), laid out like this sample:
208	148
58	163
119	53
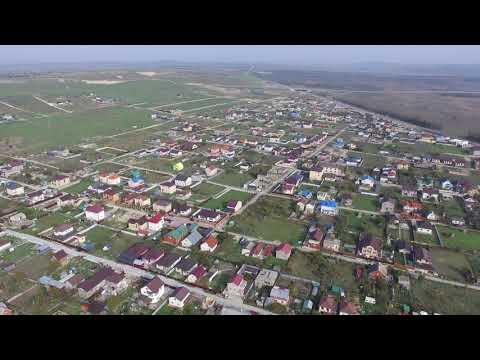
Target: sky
274	54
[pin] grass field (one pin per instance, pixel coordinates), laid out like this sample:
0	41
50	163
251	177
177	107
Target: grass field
68	129
365	202
204	191
222	201
426	239
78	188
233	178
21	252
268	219
444	299
458	239
35	267
101	236
451	264
327	271
350	224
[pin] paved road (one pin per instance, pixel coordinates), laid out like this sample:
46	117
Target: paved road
133	271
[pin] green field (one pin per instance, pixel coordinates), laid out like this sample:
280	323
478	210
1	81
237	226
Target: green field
68	129
327	271
222	201
365	202
21	252
459	239
78	188
268	219
101	236
233	178
451	264
426	239
350	224
204	191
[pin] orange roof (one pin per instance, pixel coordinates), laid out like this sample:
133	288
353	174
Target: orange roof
211	241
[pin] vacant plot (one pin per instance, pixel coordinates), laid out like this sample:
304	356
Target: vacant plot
425	238
101	236
451	264
204	191
459	239
350	224
326	271
269	219
233	178
222	201
35	267
71	129
19	253
79	187
365	202
444	299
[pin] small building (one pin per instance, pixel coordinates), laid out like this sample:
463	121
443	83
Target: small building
168	187
328	208
179	297
280	295
369	246
162	205
95	212
154	290
14	189
265	278
183	181
209	215
210	244
63	230
328	305
283	251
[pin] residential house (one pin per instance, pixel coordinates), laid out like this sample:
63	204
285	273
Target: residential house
378	271
14	189
153	290
63	230
369	246
168	187
95	212
107	278
234	205
35	197
421	255
410	206
209	215
168	262
196	274
156	222
142	200
328	305
4	245
192	239
265	278
257	250
280	295
236	287
388	206
185	266
314	239
328	208
211	170
183	180
139	225
210	244
458	221
183	210
59	181
283	251
162	205
331	243
175	236
179	297
410	191
133	253
424	227
347	308
112	195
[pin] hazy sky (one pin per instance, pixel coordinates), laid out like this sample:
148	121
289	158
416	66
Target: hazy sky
29	54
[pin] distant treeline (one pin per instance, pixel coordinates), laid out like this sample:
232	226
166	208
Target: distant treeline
407	119
462	95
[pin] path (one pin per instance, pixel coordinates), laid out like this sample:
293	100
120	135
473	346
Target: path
52	105
183	102
14	107
136	130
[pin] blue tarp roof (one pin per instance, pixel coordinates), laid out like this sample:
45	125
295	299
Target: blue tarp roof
329	203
